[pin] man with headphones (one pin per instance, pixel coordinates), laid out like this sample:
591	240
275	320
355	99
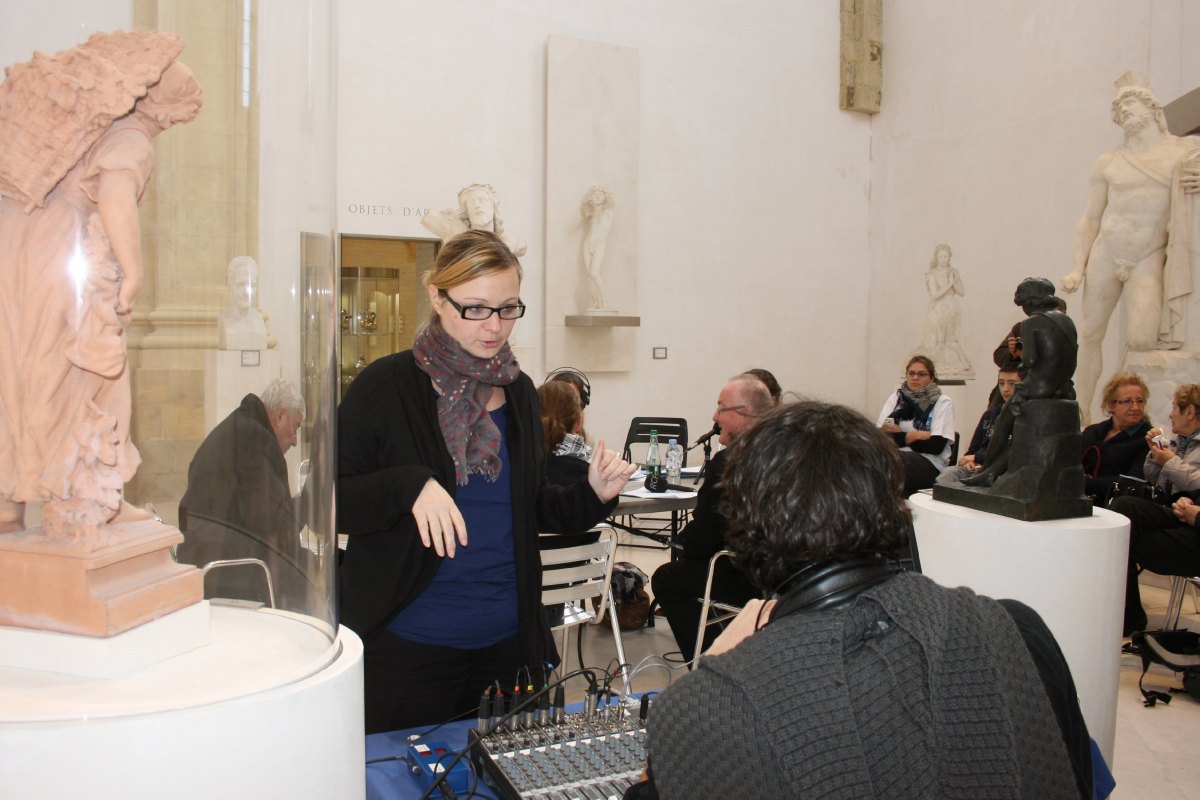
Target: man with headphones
854	679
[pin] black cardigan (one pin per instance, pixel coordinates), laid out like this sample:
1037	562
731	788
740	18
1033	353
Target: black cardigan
389	445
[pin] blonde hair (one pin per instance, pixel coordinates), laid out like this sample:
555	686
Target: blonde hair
1109	395
467	256
1188	394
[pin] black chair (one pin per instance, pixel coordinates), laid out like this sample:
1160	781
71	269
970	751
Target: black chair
668	428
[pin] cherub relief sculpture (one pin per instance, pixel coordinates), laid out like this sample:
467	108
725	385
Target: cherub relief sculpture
78	130
478	210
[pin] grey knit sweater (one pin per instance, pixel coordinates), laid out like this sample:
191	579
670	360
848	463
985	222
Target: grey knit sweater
914	691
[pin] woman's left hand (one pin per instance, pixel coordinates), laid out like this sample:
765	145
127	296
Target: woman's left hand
1161	455
608	472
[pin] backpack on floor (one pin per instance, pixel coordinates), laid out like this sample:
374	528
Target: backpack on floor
629	594
1178	650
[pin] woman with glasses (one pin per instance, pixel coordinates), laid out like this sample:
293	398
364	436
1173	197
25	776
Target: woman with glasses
441	489
1116	446
920	420
1164	539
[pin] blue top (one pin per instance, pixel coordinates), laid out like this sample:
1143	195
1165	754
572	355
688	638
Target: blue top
472	602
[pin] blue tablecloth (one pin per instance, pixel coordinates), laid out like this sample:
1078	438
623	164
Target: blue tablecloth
392	780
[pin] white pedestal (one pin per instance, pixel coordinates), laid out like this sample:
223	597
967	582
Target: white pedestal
270	708
227	381
106	656
1071	571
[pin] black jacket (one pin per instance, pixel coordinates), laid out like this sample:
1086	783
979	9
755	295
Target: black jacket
239	504
389	445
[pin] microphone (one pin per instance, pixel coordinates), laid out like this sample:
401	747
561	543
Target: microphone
658	483
716	430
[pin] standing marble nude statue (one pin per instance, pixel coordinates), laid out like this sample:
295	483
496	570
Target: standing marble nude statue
240	325
1132	238
78	132
478	210
943	322
597	210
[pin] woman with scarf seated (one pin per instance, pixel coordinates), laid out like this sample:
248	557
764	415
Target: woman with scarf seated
920	421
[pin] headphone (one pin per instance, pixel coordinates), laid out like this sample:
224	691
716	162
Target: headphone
585	395
829	584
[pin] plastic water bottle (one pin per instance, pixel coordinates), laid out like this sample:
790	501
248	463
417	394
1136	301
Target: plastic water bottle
654	464
674	461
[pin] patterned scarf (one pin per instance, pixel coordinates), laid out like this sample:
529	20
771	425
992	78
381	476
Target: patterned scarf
917	405
465	383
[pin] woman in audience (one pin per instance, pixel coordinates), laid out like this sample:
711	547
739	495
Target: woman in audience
1117	445
920	420
1156	541
441	489
567	450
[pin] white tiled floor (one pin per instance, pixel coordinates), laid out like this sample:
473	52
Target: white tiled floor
1157	749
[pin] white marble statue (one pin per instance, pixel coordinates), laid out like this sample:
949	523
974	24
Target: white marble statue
241	326
478	210
1133	237
940	341
597	211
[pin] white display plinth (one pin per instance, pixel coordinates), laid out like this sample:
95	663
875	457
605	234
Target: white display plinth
270	708
1071	571
229	376
106	656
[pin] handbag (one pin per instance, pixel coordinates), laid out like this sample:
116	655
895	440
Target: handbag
1129	486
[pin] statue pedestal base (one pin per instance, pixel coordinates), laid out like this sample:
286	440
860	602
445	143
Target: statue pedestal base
1072	572
94	590
1044	479
227	379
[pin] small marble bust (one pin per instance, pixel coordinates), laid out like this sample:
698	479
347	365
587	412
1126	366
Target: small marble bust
241	326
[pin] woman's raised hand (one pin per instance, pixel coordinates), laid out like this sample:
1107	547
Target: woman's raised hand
608	472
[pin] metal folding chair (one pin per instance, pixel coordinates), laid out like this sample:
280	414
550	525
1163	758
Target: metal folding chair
712	612
571	576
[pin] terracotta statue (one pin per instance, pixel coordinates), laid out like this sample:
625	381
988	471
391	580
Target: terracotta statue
1133	237
478	210
78	131
597	210
241	325
943	322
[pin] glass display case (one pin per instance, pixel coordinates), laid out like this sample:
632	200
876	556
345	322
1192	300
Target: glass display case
382	300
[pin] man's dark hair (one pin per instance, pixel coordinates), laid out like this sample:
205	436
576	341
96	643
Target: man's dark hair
809	482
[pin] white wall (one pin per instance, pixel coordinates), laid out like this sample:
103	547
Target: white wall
753	186
29	25
992	117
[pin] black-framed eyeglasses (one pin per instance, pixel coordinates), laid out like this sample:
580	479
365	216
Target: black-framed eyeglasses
915	374
480	313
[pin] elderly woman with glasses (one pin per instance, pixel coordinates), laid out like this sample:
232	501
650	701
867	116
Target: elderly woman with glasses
1163	538
1117	446
441	488
920	420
